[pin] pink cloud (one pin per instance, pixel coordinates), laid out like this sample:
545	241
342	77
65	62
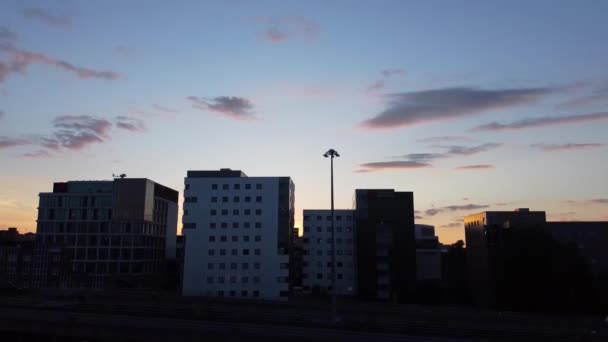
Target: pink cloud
238	108
37	154
165	109
380	84
7	142
566	147
542	122
130	124
280	29
476	167
392	72
391	165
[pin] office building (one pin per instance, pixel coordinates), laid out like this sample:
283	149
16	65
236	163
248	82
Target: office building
428	254
589	238
487	238
238	234
317	258
105	234
386	244
16	259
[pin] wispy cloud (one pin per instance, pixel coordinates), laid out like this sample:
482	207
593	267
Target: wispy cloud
409	108
599	201
37	154
45	17
281	29
442	139
7	142
130	124
425	157
452	225
599	95
76	132
20	60
380	84
6	34
165	109
566	147
453	208
391	165
470	150
542	122
476	167
233	107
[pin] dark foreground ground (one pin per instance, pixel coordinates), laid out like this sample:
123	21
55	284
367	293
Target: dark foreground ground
151	317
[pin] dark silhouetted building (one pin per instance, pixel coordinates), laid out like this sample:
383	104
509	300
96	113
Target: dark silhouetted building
105	234
487	239
16	259
428	254
386	244
590	239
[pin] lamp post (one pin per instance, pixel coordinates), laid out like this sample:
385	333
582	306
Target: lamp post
334	317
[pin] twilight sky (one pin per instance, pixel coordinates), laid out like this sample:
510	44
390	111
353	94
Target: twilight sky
473	105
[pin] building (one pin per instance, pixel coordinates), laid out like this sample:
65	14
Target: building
16	259
105	234
317	258
238	234
295	263
487	235
428	254
590	239
386	244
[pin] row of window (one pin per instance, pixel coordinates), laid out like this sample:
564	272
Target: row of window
244	265
328	276
244	293
328	217
214	225
235	238
236	186
234	251
319	229
236	199
243	280
319	252
328	240
339	264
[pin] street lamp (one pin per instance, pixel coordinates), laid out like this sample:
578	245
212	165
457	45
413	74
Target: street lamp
334	317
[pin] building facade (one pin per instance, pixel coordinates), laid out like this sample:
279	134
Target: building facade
589	238
487	235
428	254
105	234
238	234
317	256
16	259
386	244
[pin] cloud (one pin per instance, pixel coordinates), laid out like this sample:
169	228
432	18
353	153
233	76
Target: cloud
20	60
599	201
598	96
77	132
165	109
452	225
476	167
47	18
452	208
418	217
130	124
391	165
446	138
37	154
542	122
281	29
467	151
233	107
566	147
421	157
380	84
6	34
122	49
406	109
7	142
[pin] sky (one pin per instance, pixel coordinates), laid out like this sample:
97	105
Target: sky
472	105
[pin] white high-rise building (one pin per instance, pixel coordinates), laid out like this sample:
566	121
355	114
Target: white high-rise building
316	259
238	234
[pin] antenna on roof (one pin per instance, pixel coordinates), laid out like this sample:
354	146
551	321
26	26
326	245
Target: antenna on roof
121	176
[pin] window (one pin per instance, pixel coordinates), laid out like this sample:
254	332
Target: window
256	293
224	199
235	238
244	293
224	225
339	229
258	212
339	264
232	281
281	279
256	280
191	199
328	229
319	252
256	265
224	212
213	212
234	252
339	275
246	238
209	280
247	225
225	186
258	238
245	266
305	217
328	264
339	252
220	293
284	265
245	280
236	199
306	240
328	217
258	186
339	218
211	238
247	186
213	199
319	218
211	252
237	186
222	265
258	199
185	212
247	199
187	187
235	212
210	266
222	251
221	281
223	238
235	225
190	225
212	225
319	229
256	251
233	266
213	186
258	224
319	275
247	212
338	240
